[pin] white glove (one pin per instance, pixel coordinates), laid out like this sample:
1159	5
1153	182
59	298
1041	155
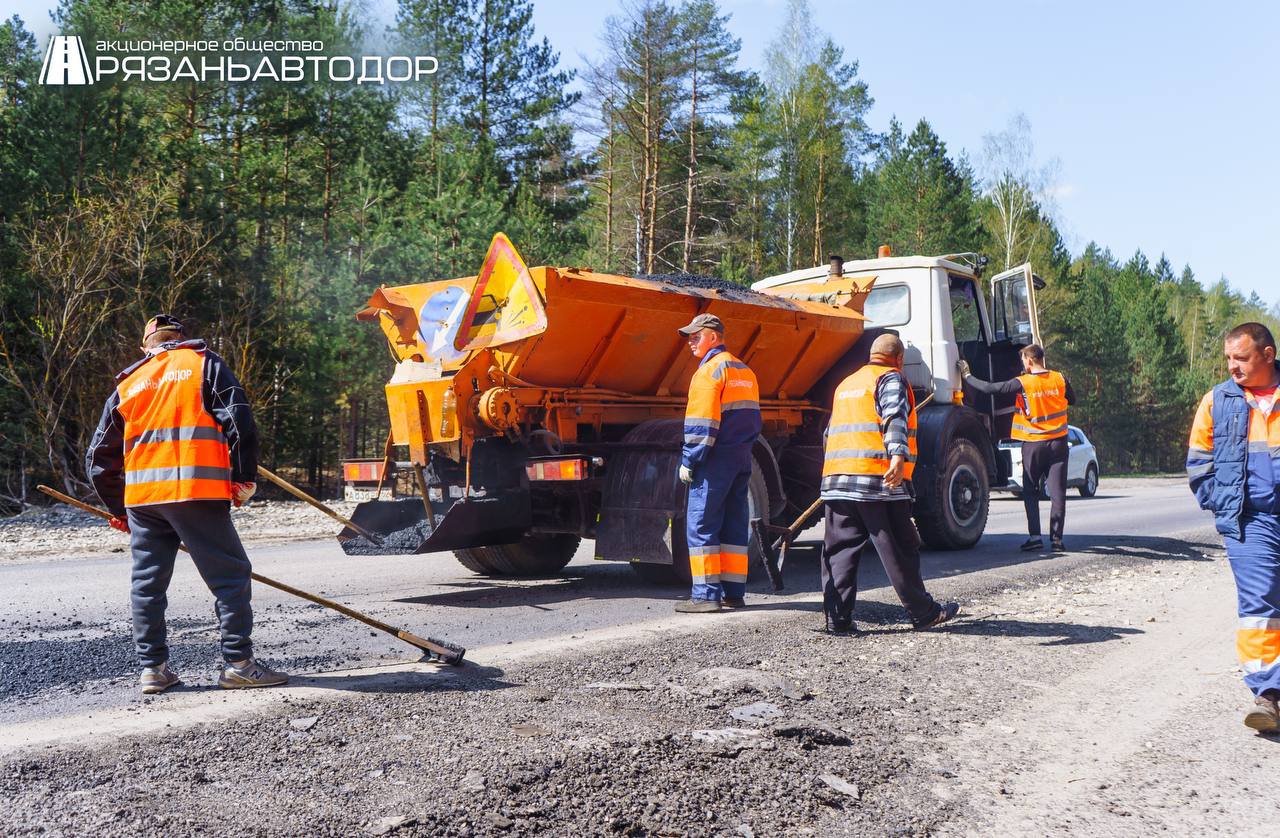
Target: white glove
241	492
962	367
686	474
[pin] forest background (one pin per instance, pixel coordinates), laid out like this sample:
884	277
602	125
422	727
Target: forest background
264	214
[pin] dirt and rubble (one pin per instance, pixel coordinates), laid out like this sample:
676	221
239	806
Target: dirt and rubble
1094	694
60	531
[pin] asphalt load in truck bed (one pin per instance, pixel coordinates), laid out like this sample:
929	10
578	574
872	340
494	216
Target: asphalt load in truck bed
730	290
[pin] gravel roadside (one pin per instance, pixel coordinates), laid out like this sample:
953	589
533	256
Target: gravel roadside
753	725
48	533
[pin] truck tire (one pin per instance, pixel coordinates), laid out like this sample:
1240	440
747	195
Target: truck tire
957	514
540	554
679	574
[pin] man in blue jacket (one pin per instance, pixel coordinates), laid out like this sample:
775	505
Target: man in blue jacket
1233	462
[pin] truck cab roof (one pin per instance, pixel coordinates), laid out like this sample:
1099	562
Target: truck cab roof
864	266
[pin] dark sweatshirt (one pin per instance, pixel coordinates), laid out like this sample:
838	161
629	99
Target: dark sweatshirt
1013	385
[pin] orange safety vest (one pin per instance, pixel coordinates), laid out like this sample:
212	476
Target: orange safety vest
855	444
173	449
1042	407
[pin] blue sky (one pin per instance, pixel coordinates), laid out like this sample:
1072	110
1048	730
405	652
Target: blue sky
1164	116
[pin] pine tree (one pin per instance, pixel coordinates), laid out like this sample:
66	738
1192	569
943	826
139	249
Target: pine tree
921	201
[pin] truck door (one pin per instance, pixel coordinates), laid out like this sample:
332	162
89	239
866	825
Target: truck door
1015	323
1013	306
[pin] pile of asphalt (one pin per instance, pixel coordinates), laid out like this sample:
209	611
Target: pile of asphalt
729	290
394	543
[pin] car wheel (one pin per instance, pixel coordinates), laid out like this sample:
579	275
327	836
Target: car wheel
1089	487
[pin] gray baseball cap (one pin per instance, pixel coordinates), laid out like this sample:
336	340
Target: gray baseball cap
702	321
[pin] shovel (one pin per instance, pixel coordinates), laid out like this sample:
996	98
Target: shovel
441	650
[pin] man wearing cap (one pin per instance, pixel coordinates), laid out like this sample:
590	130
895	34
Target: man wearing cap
176	445
868	461
721	424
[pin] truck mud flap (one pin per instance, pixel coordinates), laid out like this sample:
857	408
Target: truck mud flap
403	527
642	516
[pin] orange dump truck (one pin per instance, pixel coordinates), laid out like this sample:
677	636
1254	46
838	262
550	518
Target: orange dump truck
541	406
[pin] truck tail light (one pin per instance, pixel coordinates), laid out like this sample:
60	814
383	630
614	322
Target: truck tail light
362	472
571	469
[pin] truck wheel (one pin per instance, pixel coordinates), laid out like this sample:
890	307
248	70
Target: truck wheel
540	554
678	573
957	512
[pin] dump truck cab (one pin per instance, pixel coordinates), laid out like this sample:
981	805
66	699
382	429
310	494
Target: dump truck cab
938	307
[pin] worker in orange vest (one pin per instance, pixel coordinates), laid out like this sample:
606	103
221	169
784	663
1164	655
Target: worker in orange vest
721	424
868	462
1040	424
176	446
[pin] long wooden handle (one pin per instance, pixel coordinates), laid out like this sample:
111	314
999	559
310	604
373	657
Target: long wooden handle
301	495
447	651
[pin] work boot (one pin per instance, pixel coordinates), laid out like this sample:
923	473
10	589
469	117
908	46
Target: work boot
947	611
157	679
1035	542
839	625
1058	546
248	673
698	606
1265	716
734	602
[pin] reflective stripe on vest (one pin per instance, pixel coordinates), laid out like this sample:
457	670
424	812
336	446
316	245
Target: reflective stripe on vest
174	450
1042	407
855	444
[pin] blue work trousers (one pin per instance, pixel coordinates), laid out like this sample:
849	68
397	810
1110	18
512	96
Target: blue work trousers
205	527
718	524
1255	562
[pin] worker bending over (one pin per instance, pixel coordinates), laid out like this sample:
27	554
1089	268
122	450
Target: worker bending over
1040	424
1233	463
176	445
721	424
870	455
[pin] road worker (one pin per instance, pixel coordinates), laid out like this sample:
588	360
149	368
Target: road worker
177	445
870	454
721	424
1040	424
1233	463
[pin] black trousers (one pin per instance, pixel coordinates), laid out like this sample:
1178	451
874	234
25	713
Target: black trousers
851	527
1045	461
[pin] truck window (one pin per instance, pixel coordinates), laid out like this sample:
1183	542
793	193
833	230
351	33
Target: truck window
888	305
964	310
1013	312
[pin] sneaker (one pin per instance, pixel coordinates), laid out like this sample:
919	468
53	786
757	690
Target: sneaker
734	602
1058	546
698	606
1035	542
239	675
157	679
946	612
1265	716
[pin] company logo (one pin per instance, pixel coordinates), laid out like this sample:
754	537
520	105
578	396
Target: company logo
229	60
65	62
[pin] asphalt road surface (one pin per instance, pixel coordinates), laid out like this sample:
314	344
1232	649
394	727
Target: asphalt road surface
1090	693
66	646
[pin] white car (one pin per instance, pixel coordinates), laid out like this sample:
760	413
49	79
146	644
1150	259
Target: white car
1082	463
